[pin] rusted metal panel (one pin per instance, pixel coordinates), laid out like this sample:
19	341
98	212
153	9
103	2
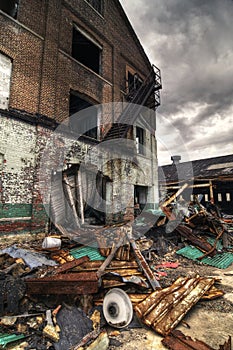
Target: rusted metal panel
154	298
176	340
70	265
163	310
72	283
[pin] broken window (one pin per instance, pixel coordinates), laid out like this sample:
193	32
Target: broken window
96	4
5	78
140	140
140	196
10	7
87	121
86	50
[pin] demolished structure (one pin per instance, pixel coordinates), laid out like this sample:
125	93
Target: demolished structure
94	269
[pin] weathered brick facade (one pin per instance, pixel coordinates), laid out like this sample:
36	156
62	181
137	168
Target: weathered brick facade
38	42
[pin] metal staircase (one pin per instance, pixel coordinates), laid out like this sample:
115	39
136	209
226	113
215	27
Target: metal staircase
148	90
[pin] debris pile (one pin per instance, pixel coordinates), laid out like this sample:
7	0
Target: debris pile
65	295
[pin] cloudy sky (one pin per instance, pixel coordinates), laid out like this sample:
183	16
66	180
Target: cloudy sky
191	41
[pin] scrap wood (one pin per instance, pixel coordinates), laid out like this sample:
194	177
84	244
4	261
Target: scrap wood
164	309
115	264
132	279
69	265
174	196
71	200
213	248
176	340
142	262
90	336
108	260
196	241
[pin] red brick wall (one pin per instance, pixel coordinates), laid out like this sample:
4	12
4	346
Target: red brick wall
43	76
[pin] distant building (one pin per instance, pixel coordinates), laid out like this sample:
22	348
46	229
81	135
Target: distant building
211	178
58	58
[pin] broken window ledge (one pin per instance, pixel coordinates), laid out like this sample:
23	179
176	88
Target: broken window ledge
85	67
20	24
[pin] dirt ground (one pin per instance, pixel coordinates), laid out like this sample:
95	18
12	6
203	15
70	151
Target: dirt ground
210	321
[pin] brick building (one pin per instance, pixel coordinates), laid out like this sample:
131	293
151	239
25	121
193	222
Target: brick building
58	58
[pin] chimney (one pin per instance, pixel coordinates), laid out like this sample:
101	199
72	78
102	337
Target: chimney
176	159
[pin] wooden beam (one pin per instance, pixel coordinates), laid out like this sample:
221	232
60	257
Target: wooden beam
66	181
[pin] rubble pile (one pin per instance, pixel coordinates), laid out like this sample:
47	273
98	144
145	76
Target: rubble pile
61	294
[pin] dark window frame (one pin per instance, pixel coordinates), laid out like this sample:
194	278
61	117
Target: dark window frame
10	7
86	50
140	137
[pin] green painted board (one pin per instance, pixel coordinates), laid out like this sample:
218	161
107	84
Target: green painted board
92	253
220	260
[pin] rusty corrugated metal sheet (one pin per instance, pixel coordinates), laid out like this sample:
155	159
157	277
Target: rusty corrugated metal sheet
164	309
71	283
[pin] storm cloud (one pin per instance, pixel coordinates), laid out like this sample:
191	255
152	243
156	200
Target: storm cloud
191	42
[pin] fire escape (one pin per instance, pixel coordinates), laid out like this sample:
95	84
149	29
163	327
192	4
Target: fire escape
147	94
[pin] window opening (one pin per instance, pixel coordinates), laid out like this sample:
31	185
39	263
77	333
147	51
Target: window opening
10	7
228	197
220	197
140	140
88	119
86	51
